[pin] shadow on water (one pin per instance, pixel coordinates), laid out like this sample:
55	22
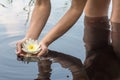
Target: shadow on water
99	65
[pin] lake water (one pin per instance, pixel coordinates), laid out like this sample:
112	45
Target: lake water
13	26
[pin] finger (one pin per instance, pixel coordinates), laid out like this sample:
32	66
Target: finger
18	47
22	54
42	52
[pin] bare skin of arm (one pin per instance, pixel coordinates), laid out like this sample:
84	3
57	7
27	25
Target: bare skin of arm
115	16
39	18
97	8
67	21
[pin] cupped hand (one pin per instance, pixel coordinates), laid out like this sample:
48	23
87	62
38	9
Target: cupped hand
19	52
44	49
19	47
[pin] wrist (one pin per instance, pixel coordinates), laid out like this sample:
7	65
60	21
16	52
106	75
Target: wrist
45	42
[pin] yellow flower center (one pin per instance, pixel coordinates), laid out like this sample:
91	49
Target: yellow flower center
31	47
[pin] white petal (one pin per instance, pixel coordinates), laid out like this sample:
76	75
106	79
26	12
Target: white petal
23	45
29	42
24	50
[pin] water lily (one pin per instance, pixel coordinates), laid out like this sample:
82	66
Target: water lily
31	46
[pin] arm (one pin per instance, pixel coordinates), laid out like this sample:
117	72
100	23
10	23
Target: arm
39	18
67	21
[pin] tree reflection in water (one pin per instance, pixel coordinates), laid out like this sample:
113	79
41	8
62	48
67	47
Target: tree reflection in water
101	64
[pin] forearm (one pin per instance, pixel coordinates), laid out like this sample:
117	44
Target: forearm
64	24
39	18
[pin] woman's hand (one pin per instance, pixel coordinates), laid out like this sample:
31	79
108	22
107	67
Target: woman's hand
44	49
19	51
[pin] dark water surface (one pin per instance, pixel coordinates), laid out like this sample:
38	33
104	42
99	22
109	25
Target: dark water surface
67	53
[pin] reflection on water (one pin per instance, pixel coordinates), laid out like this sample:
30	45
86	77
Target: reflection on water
44	68
12	29
66	61
23	8
16	8
100	64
